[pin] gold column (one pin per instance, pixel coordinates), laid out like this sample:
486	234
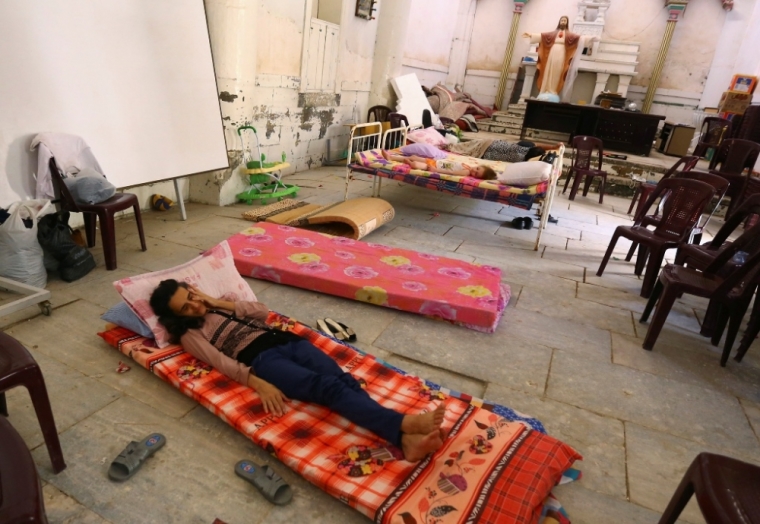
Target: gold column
675	10
519	4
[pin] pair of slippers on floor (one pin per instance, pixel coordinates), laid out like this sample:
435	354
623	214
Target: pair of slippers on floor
527	222
264	478
522	223
336	329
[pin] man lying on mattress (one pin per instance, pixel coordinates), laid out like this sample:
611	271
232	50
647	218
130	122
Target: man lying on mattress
232	337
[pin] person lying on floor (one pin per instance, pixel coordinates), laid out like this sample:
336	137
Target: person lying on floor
279	365
443	166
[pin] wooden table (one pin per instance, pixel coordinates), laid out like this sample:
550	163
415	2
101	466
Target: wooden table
624	131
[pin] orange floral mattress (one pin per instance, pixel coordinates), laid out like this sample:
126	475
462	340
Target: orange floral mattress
493	468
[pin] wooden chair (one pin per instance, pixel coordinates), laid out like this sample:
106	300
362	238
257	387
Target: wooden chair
18	368
733	158
726	491
713	131
21	498
643	189
103	212
683	207
378	113
583	149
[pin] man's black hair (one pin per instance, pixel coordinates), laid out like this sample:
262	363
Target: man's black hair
175	324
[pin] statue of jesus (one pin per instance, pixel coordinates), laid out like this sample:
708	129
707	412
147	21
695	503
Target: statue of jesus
556	50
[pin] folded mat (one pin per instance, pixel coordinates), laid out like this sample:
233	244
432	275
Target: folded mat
495	466
444	288
355	218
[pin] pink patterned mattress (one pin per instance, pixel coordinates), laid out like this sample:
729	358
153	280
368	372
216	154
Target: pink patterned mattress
459	292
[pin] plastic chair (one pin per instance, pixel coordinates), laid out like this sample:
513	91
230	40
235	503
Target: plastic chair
726	491
730	295
734	157
683	207
713	131
700	256
720	185
18	368
583	149
398	120
378	114
21	498
644	189
103	212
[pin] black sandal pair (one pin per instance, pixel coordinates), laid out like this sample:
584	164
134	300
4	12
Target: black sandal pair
335	329
522	223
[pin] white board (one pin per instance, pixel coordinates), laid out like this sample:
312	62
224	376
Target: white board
134	78
412	101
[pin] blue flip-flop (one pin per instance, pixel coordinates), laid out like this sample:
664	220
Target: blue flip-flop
131	459
264	478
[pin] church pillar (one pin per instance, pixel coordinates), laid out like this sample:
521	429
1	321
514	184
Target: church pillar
675	11
392	28
233	46
519	5
460	47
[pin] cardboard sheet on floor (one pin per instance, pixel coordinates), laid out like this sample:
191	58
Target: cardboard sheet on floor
443	288
496	464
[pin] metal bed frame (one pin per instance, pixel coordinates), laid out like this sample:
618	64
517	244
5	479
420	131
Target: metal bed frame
365	137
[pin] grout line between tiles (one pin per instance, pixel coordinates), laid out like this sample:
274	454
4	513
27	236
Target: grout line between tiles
548	375
625	449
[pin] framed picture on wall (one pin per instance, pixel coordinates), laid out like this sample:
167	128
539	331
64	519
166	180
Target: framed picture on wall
744	83
364	9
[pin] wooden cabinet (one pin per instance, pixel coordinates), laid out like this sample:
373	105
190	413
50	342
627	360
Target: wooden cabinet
623	131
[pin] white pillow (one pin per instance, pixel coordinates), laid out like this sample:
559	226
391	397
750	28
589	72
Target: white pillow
213	273
525	173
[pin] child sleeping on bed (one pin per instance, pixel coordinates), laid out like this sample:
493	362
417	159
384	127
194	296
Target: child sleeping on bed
233	337
443	166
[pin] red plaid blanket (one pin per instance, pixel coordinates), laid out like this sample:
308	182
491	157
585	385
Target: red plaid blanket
490	469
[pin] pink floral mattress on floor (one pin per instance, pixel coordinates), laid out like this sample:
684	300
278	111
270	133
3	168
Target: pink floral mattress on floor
443	288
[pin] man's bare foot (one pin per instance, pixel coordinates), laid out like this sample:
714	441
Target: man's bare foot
425	423
416	447
386	154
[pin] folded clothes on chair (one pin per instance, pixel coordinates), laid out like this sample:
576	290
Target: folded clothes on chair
496	465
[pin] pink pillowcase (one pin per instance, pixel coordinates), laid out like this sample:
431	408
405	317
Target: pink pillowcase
423	150
426	136
213	273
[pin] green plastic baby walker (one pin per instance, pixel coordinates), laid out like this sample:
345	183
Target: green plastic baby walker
266	182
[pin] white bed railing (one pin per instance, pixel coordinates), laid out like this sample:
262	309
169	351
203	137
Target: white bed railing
365	137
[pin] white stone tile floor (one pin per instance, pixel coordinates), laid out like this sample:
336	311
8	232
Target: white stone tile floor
567	351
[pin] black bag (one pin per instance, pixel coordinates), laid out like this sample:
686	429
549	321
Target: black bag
61	252
77	264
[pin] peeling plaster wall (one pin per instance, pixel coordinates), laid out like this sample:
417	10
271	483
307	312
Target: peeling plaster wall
692	48
431	46
287	121
280	32
490	34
